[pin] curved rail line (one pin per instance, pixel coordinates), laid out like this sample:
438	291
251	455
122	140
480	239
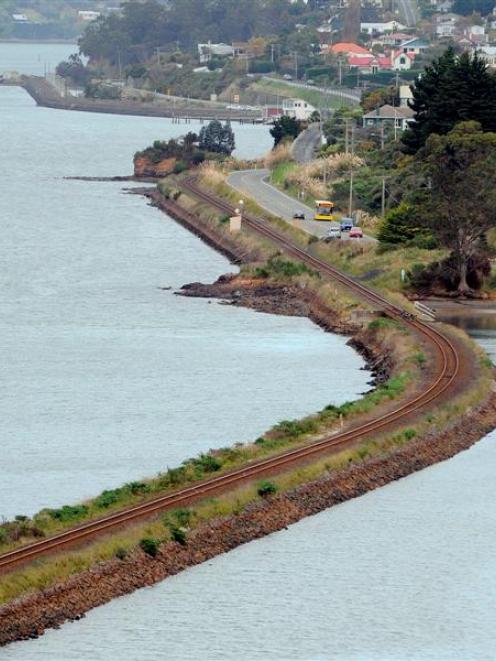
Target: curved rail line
448	365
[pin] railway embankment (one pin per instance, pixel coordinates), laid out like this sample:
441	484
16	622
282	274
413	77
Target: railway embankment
66	585
71	599
48	96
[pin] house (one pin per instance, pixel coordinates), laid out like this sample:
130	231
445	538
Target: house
442	5
348	48
445	25
393	39
397	118
488	54
20	18
476	34
406	95
393	61
88	15
207	51
414	45
381	27
297	108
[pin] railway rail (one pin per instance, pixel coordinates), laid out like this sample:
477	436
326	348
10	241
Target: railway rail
447	367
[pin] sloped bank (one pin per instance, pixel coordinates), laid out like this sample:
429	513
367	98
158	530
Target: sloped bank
31	616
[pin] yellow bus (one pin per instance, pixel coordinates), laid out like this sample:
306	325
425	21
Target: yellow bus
324	210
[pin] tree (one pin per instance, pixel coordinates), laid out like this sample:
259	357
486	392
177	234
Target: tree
217	138
74	69
453	89
285	127
461	192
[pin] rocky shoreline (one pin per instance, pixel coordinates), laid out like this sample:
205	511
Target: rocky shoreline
33	614
70	600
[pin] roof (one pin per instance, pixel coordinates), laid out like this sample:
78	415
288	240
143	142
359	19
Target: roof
348	47
390	112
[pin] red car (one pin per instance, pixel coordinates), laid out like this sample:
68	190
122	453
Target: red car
356	233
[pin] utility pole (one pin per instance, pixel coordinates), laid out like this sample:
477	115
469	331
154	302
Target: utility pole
350	205
272	53
296	64
158	54
383	197
346	136
352	140
120	64
340	64
382	136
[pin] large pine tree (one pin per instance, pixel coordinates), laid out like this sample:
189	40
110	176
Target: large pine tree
452	89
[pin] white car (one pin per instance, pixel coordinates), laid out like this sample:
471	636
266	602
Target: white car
334	232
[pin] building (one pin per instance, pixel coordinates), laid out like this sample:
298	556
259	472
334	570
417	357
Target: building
298	109
406	95
348	48
20	18
381	27
397	118
393	61
208	51
414	45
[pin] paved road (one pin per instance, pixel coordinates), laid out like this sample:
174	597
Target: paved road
306	144
253	184
408	12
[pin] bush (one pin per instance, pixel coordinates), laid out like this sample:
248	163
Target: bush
409	434
121	553
179	167
68	512
150	546
178	535
266	488
107	498
206	463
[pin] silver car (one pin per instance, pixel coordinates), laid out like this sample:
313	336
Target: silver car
334	232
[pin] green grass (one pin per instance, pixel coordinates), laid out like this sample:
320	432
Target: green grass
314	97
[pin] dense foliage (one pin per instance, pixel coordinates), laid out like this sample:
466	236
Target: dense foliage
285	127
217	138
145	26
453	89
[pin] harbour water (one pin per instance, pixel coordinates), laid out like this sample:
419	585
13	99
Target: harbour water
405	572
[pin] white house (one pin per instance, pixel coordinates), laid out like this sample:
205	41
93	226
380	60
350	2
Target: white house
381	28
446	24
405	94
414	45
488	54
297	108
20	18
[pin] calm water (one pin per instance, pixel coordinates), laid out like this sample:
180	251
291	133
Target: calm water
106	377
35	59
406	572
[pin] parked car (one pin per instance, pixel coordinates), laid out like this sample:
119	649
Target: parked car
334	232
299	215
310	82
346	224
287	76
356	233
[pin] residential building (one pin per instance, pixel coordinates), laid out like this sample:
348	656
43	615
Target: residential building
209	50
297	108
405	94
414	45
389	116
348	48
381	27
394	61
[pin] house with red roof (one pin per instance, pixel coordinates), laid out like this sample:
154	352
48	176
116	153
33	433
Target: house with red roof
393	61
348	48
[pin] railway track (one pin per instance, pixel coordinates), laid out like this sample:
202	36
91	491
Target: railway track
447	366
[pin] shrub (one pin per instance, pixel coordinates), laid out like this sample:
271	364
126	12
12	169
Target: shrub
266	488
68	512
121	553
409	434
107	498
178	535
179	167
207	463
150	546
